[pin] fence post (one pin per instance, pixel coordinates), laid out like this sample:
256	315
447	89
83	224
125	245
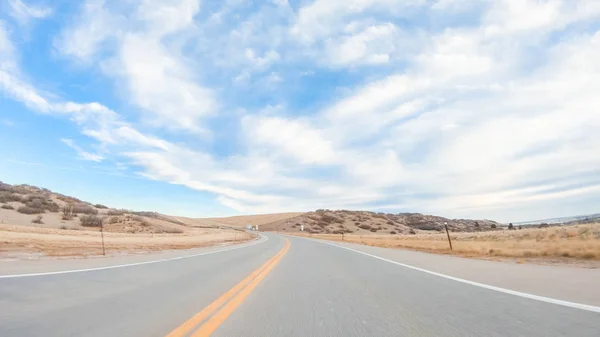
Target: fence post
448	234
102	235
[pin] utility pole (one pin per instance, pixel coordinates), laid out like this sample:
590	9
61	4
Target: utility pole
448	234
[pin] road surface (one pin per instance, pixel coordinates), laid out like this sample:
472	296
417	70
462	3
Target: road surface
280	286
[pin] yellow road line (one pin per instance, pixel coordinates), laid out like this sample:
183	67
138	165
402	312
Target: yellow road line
217	319
183	329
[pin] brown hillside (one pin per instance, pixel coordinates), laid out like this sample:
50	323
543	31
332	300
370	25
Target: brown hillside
26	205
336	222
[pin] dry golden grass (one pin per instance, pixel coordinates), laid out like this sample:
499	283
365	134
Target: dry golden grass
18	240
579	242
243	220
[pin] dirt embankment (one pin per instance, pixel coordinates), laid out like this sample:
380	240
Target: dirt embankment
577	244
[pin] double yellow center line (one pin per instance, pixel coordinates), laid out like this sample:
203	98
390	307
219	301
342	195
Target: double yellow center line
223	306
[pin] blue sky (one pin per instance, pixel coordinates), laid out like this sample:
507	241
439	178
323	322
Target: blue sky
466	109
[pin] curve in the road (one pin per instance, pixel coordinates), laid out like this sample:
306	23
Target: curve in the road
569	304
261	240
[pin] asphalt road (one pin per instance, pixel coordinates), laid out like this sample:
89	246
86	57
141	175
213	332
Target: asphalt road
303	288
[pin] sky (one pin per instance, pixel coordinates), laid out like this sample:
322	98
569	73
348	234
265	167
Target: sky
465	109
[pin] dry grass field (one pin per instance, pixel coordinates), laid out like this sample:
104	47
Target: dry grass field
243	220
565	242
22	241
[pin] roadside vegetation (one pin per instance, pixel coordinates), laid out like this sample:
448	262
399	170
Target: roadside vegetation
574	242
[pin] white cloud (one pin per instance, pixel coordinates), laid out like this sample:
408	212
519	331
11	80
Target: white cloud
373	45
82	154
289	138
158	79
321	18
90	30
23	13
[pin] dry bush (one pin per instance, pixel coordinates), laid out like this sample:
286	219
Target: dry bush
364	226
393	232
113	211
38	220
7	206
379	215
84	209
63	227
322	224
67	199
173	231
146	214
91	221
141	220
7	196
30	210
374	230
330	219
114	219
68	212
100	206
37	201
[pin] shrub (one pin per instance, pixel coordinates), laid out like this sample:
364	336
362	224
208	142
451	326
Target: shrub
84	209
146	214
91	221
412	231
391	223
113	219
68	212
493	225
6	196
173	231
322	224
100	206
329	219
393	232
364	226
67	198
63	227
30	210
379	215
373	230
38	220
115	212
510	226
41	202
7	206
427	228
338	231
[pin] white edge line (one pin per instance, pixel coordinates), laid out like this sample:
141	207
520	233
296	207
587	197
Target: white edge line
477	284
266	238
